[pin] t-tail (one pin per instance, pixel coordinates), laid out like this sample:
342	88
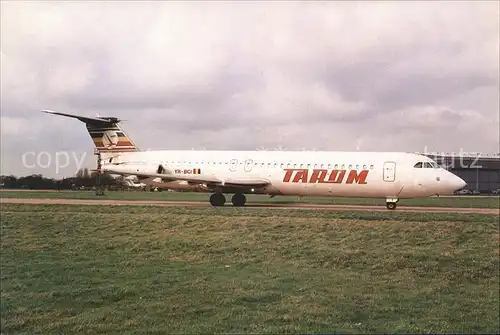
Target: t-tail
106	133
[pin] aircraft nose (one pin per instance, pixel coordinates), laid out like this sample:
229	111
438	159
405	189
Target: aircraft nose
457	182
462	183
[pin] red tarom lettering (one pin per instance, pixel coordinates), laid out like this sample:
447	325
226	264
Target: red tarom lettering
320	176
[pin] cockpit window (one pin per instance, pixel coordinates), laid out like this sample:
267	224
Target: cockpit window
426	165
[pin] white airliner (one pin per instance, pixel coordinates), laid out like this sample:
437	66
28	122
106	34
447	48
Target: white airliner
388	175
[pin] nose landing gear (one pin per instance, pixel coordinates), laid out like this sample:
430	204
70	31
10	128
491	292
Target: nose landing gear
391	203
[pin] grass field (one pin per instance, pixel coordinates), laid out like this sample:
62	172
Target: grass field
469	202
202	270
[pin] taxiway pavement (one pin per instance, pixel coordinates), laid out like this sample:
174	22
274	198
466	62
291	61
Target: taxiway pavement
371	208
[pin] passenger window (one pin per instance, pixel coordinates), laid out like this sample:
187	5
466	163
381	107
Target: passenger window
418	165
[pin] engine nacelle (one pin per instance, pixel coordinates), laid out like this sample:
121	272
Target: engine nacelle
133	169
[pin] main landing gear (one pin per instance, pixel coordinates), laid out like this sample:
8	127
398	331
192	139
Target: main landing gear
218	199
391	203
239	199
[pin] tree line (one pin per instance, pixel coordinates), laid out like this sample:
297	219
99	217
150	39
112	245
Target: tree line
83	178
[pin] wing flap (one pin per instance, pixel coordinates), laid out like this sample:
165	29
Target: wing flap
247	182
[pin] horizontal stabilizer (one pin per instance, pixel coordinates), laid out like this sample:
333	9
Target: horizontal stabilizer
86	119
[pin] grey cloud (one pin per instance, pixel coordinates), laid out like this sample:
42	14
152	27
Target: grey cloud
385	91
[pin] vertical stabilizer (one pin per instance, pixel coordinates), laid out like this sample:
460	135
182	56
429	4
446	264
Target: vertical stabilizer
106	133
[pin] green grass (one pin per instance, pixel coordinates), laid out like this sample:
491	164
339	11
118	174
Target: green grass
101	269
469	202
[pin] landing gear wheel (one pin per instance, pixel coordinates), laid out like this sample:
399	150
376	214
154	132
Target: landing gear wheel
217	199
239	199
391	205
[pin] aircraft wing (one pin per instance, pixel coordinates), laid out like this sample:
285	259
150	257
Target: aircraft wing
197	179
210	180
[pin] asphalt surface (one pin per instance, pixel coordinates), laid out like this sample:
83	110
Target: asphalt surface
249	205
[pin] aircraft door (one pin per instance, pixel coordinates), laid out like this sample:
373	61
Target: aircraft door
389	171
233	165
248	165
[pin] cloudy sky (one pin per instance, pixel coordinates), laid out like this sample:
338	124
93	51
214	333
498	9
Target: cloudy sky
233	75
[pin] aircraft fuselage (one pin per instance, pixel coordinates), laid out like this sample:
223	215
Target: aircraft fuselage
390	175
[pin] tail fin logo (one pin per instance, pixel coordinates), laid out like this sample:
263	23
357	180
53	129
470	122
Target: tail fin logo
110	139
